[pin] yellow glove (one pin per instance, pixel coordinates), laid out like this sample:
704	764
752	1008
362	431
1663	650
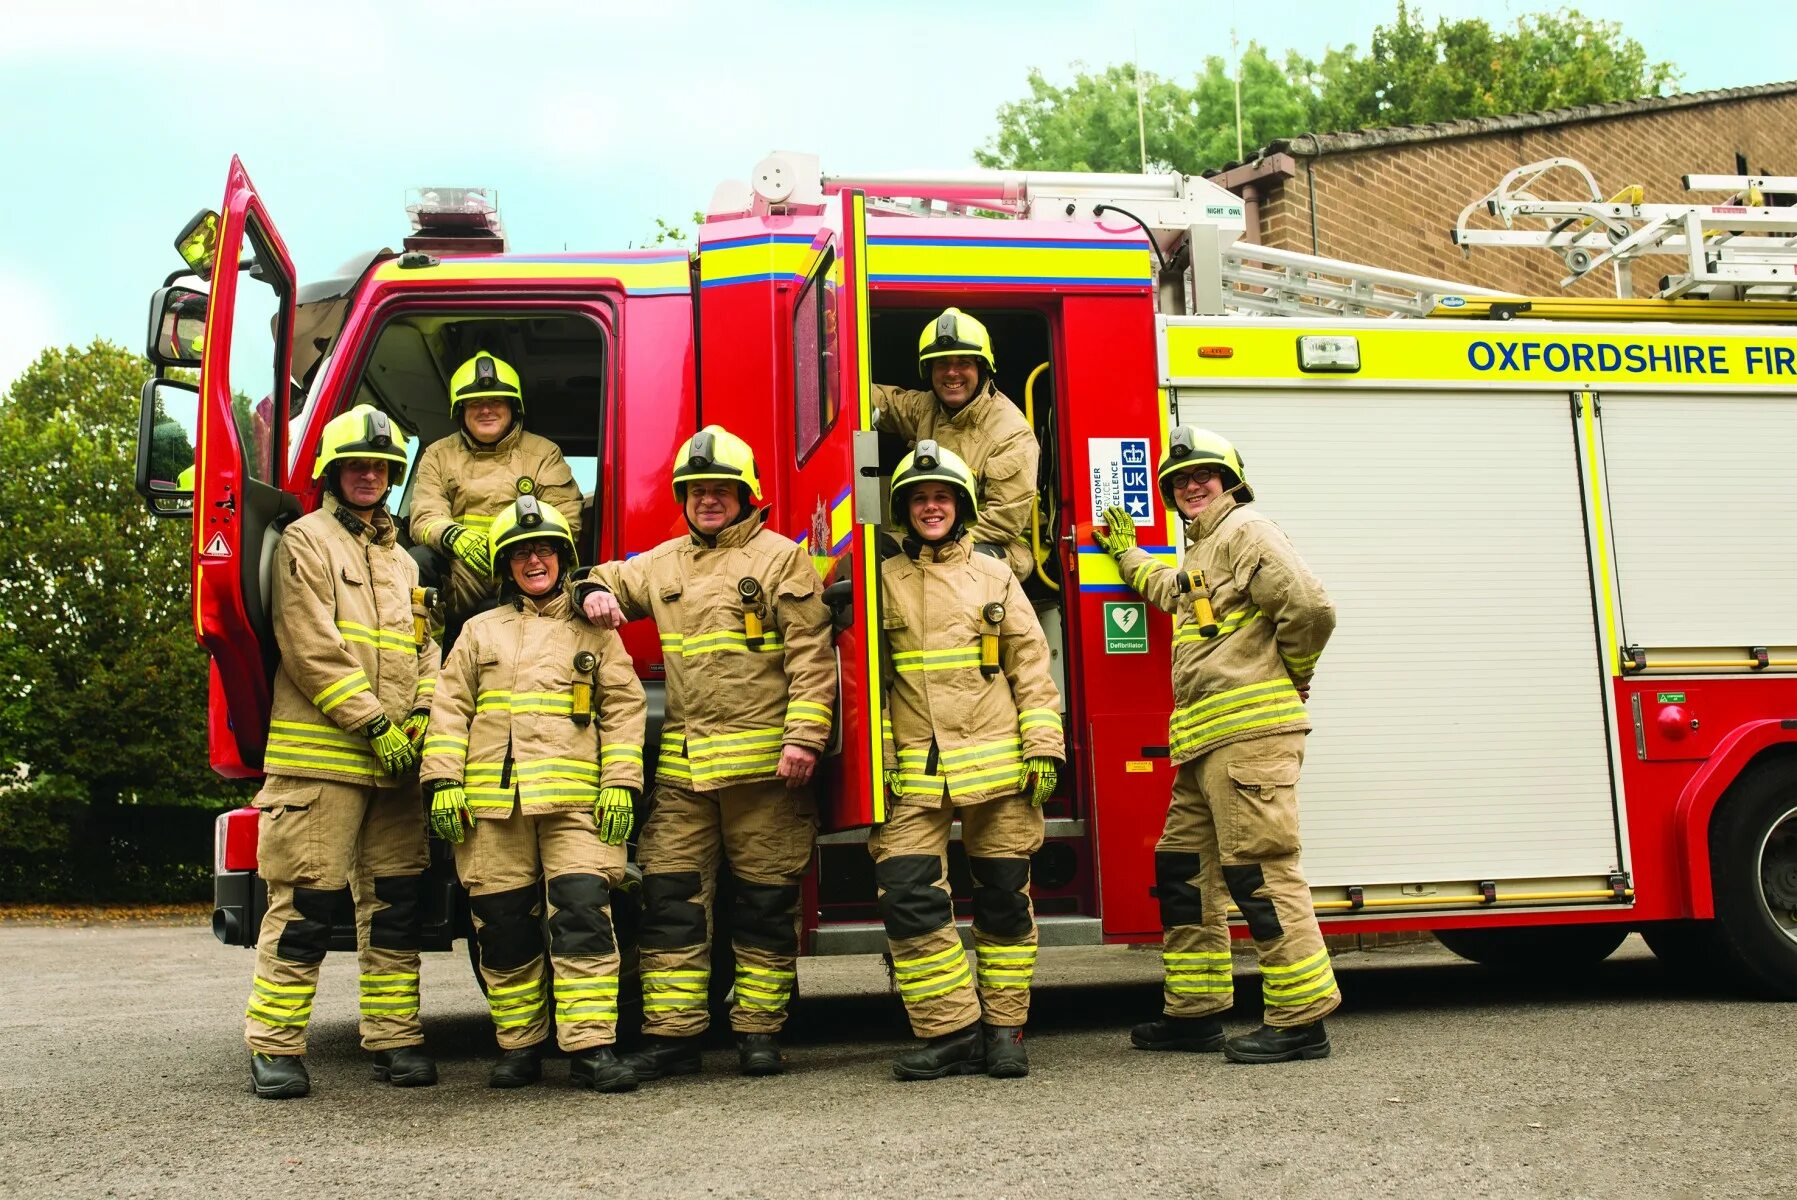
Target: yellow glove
471	547
397	754
615	814
892	781
1121	535
413	726
449	811
1038	780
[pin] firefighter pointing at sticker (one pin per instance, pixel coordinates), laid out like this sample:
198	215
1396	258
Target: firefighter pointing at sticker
965	413
465	480
341	798
533	760
1249	624
973	729
751	680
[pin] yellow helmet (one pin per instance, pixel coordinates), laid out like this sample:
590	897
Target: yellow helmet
363	432
931	462
485	376
527	519
715	453
954	332
1189	446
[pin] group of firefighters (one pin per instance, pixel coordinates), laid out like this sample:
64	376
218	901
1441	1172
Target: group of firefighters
526	742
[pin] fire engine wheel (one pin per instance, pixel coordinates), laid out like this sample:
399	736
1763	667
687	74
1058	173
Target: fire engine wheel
1753	872
1540	950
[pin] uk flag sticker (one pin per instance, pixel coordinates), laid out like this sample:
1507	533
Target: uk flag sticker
1122	476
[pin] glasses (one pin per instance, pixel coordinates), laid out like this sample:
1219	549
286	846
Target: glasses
1200	476
542	550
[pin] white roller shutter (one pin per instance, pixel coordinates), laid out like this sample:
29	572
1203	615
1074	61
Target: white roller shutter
1459	708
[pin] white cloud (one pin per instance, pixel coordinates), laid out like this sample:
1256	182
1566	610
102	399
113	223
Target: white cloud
30	319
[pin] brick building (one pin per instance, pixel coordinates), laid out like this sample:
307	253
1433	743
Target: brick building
1387	197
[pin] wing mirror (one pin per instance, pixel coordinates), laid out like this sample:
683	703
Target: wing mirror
167	424
177	336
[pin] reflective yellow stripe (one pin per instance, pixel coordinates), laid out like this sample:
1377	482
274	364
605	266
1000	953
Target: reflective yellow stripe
445	743
664	991
1299	983
908	661
384	639
732	641
1005	966
592	998
762	988
394	994
311	731
280	1004
1198	972
932	975
809	710
1140	575
1302	664
1039	718
573	768
350	685
1254	706
1188	632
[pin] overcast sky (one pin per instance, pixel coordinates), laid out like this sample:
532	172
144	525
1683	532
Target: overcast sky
117	121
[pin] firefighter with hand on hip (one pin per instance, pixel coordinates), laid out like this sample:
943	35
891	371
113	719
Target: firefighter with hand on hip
751	679
1249	624
533	760
341	798
964	412
465	480
972	727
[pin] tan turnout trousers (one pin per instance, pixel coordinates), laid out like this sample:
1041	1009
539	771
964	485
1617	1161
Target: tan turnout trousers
1232	833
524	871
929	962
314	835
766	832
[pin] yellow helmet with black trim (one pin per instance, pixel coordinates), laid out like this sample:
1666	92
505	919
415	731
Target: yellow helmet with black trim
930	462
363	432
484	377
715	453
1189	446
954	333
527	519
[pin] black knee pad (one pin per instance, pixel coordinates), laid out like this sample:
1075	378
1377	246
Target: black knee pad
1000	907
581	924
1181	901
1244	881
511	933
763	915
306	937
396	927
910	902
672	915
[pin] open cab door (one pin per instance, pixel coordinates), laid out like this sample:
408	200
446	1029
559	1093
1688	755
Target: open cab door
244	403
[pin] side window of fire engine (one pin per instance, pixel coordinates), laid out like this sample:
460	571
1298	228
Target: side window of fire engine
259	399
813	352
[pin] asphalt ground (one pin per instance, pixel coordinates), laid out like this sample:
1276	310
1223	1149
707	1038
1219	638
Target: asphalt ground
124	1075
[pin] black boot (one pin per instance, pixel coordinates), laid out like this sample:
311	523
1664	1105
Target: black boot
601	1070
517	1068
659	1056
759	1054
1203	1035
1005	1056
408	1066
1271	1044
279	1076
960	1053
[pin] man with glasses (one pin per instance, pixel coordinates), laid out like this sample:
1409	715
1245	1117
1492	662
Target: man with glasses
467	479
1249	624
964	412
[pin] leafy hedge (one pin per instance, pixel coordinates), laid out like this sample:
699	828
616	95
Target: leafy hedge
57	847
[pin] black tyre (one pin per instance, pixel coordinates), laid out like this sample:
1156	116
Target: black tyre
1690	948
1753	877
1539	949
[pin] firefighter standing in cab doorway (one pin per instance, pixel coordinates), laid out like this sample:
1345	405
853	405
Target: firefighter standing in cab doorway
536	742
751	678
973	727
341	798
964	412
465	480
1249	624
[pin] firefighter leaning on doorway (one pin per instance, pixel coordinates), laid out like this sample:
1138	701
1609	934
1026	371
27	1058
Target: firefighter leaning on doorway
350	698
536	741
465	480
751	688
973	728
964	412
1249	624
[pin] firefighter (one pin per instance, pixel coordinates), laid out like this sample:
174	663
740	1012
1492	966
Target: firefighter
751	678
341	798
465	480
973	728
536	743
963	411
1249	623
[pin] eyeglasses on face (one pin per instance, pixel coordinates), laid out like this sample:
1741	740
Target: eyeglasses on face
530	550
1180	480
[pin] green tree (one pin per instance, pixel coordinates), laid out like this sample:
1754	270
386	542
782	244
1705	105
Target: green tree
672	233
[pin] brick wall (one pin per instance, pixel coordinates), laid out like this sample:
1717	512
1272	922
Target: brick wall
1392	206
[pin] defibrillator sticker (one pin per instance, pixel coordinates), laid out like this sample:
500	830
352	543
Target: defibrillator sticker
1122	477
218	546
1125	627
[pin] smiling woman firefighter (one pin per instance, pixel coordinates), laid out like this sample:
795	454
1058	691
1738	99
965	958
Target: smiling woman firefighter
974	730
533	759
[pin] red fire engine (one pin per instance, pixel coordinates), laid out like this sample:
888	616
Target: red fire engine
1562	700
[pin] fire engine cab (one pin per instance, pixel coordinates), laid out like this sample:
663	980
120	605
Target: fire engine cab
1561	701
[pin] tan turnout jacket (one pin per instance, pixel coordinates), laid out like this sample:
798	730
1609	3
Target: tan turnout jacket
733	704
1273	619
948	724
461	482
991	435
504	719
349	646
